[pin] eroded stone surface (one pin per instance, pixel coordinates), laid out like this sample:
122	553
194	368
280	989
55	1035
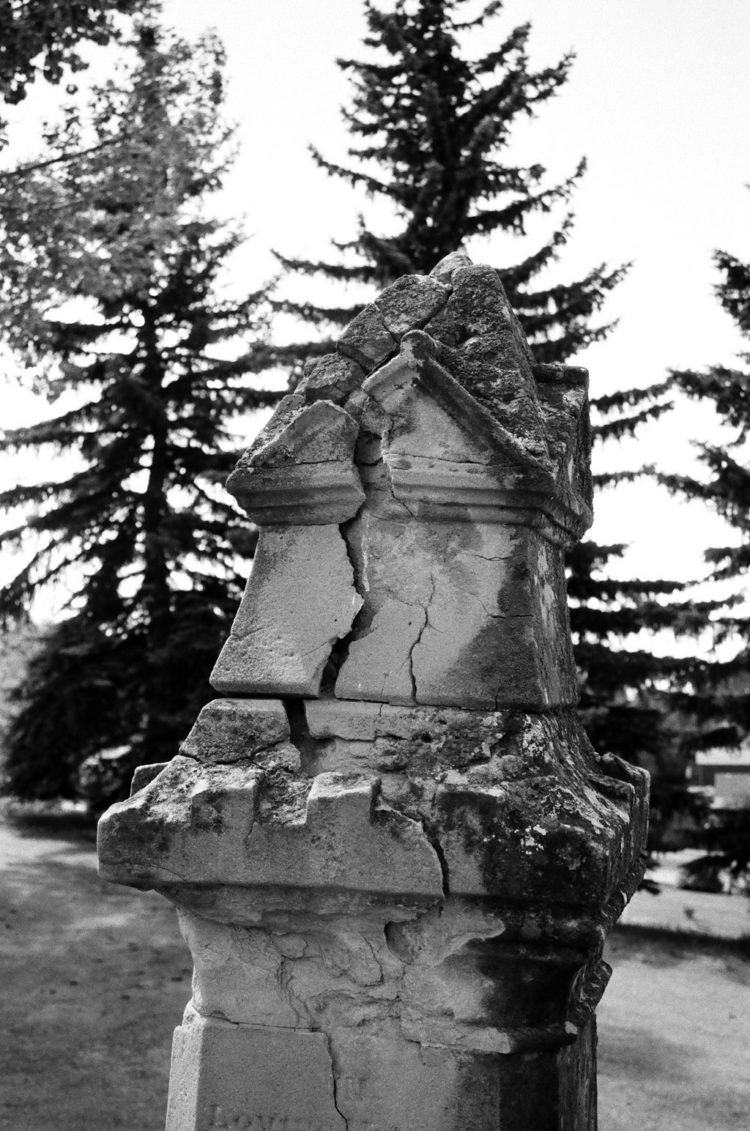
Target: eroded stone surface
449	264
477	307
414	1008
487	368
563	400
367	722
228	730
410	302
320	433
331	377
410	977
285	629
267	825
286	411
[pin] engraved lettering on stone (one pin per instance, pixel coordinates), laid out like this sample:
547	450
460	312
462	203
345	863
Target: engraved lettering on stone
230	1121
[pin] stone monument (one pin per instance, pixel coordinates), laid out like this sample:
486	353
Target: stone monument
394	854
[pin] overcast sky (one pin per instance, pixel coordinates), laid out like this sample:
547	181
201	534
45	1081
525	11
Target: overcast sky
658	101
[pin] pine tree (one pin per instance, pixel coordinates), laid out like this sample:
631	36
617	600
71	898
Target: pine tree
110	266
721	697
432	130
634	701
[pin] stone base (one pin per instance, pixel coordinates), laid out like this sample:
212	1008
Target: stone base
257	1078
246	1076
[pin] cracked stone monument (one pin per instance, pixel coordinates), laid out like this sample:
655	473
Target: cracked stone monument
394	854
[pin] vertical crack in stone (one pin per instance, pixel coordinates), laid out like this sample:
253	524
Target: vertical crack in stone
334	1078
357	560
430	832
299	735
409	660
420	634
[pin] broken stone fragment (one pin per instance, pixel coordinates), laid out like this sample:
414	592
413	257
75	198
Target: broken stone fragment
410	302
229	730
288	408
318	433
420	418
449	264
302	472
367	340
299	600
332	377
143	775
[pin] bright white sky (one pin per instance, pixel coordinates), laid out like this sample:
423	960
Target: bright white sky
658	101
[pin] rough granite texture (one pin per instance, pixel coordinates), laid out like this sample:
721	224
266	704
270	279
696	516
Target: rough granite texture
394	853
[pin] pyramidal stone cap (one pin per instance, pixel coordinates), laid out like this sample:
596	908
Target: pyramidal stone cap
526	423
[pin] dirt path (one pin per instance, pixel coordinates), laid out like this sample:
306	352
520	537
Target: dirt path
96	977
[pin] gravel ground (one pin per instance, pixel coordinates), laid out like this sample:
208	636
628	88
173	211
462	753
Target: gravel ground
95	978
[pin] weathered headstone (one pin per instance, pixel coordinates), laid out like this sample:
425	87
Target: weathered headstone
394	853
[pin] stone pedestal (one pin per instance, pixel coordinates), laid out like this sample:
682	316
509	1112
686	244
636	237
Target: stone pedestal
394	853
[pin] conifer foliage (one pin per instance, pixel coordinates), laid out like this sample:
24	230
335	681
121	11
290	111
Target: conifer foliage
109	299
722	695
431	128
726	483
632	698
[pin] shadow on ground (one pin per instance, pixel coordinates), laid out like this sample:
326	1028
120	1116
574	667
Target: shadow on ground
673	1028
